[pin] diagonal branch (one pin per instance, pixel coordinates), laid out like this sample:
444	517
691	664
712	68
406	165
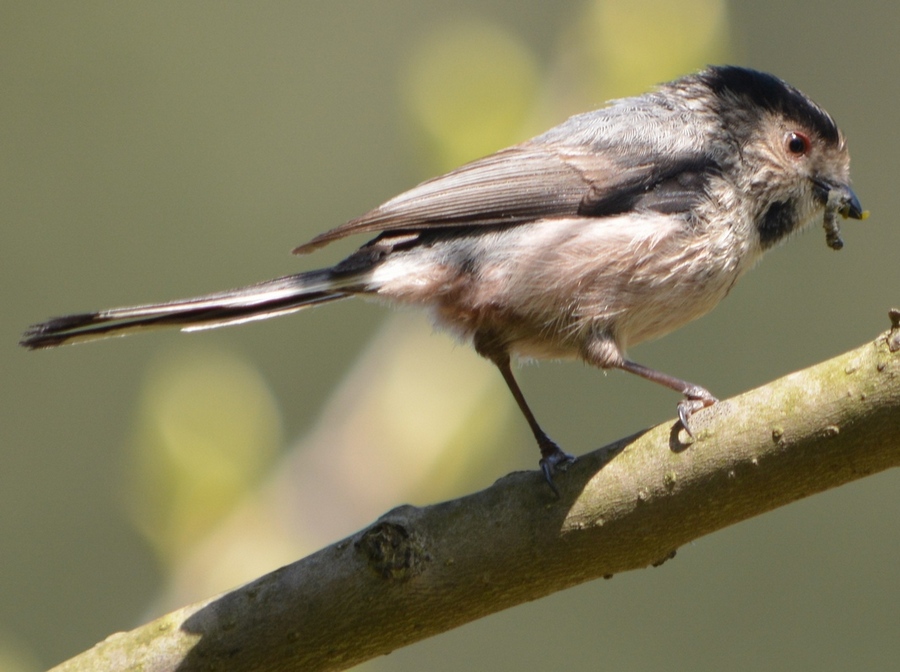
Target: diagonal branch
420	571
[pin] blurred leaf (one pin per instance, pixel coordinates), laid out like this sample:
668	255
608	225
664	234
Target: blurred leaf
643	42
14	657
414	420
208	429
470	87
620	49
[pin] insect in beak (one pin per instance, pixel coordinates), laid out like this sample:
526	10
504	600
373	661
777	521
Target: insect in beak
839	199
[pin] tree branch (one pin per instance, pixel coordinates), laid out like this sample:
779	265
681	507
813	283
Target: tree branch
417	572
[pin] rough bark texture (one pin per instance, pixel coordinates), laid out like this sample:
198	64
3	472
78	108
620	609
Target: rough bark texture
420	571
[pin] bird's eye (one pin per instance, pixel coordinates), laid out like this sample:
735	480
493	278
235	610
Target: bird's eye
797	143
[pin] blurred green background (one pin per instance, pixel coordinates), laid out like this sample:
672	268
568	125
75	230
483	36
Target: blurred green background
154	150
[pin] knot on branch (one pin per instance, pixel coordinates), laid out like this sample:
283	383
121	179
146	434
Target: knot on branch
393	551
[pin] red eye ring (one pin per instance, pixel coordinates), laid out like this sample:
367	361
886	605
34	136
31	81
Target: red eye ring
797	144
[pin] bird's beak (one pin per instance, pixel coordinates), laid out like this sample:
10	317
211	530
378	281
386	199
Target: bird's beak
840	197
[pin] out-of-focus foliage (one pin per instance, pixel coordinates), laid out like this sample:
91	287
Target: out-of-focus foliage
14	657
633	45
413	421
208	429
615	49
470	87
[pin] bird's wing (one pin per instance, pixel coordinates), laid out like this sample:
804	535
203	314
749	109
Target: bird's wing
521	184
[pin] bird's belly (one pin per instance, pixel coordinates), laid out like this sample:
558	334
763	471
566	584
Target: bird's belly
544	289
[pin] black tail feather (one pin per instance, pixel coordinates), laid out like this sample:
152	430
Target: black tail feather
260	301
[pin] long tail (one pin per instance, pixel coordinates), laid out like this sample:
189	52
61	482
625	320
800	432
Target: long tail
254	302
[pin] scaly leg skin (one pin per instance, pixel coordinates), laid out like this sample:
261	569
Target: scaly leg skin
552	456
696	397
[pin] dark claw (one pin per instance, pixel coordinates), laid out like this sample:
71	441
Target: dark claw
553	457
684	412
548	476
693	402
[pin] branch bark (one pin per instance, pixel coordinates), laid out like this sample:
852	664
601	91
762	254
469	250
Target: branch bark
417	572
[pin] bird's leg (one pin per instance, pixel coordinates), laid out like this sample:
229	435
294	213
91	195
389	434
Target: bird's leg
552	456
695	397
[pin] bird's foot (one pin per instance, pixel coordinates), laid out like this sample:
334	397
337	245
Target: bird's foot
553	458
695	398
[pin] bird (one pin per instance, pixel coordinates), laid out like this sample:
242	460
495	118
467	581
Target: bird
615	227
